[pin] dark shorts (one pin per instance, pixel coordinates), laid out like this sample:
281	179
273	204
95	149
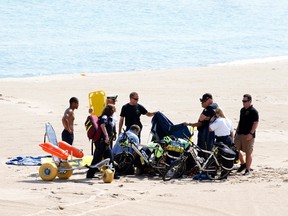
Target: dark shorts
225	139
67	137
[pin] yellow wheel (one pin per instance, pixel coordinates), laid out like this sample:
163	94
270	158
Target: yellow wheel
48	171
107	176
64	170
103	168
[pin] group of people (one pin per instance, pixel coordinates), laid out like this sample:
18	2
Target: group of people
130	115
212	125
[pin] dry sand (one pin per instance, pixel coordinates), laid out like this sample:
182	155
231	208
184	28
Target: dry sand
27	104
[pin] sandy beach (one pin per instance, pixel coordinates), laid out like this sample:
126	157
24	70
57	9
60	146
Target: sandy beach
26	104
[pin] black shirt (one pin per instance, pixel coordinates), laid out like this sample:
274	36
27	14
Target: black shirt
108	121
132	114
247	119
209	112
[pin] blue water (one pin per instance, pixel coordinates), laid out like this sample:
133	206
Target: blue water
89	36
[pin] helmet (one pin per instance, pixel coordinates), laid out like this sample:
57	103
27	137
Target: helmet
123	142
167	139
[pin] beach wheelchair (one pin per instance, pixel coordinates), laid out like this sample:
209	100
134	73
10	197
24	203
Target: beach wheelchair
61	166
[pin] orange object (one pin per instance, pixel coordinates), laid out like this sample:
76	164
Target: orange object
54	150
75	152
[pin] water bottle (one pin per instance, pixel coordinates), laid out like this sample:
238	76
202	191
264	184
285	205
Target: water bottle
151	159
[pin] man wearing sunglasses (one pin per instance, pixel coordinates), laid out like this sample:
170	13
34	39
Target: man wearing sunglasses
131	112
245	133
205	138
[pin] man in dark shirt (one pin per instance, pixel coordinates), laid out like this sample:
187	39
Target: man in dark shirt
246	132
205	139
131	112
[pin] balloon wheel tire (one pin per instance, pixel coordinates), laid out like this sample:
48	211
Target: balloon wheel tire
125	163
175	170
162	165
216	172
48	171
107	176
64	170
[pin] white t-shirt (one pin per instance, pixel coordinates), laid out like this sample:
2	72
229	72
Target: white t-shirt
114	117
221	127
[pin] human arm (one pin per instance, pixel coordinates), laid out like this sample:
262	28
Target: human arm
203	118
252	131
150	114
114	133
196	124
199	123
231	129
103	128
121	121
232	135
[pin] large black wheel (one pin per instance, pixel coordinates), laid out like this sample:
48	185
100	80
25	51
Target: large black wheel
175	170
216	172
124	163
162	165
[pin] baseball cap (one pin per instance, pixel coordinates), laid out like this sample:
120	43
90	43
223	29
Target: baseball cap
112	97
205	97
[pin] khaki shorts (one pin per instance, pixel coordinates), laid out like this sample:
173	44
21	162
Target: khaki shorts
244	145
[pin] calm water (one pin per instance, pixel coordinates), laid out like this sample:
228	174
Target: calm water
73	36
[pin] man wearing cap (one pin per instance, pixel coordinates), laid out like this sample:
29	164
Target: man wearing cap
112	100
205	139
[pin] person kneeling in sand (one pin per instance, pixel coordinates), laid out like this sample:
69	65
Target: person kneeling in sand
132	133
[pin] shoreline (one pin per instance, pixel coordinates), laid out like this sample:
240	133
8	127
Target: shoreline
230	63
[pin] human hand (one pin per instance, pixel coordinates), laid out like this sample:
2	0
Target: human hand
249	137
186	124
114	136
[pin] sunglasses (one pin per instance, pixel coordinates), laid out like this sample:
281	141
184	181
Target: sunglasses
244	101
135	99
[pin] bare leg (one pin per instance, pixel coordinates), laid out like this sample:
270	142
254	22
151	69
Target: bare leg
241	158
248	160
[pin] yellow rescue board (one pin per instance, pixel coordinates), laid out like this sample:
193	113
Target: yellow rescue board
97	102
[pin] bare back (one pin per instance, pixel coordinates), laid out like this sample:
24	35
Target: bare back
68	120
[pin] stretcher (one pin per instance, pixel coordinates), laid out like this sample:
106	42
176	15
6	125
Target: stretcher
66	158
97	102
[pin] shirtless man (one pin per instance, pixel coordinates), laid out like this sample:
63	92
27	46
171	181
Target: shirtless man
68	121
